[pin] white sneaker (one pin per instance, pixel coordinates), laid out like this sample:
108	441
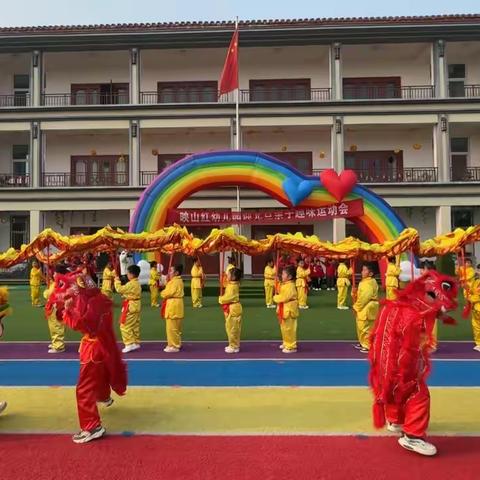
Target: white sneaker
168	349
87	436
417	445
231	350
3	406
477	348
107	403
128	348
286	350
281	347
394	427
54	350
135	346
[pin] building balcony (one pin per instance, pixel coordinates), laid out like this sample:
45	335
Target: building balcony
68	99
15	100
464	91
404	175
467	174
84	180
386	92
9	180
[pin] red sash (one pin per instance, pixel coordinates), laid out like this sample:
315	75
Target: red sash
226	308
123	314
280	313
163	310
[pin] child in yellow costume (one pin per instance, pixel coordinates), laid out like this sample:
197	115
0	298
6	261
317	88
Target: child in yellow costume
425	267
474	299
36	278
56	328
301	284
153	284
343	282
108	278
466	276
131	308
365	307
232	308
287	310
4	311
391	278
173	309
269	275
198	280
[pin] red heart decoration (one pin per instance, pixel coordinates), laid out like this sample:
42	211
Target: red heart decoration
339	186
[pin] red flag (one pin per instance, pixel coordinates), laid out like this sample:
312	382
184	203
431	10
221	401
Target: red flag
229	77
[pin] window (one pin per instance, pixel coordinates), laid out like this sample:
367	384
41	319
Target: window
462	217
166	159
19	230
20	160
459	158
456	80
99	170
100	93
376	166
21	90
280	90
371	87
187	92
300	160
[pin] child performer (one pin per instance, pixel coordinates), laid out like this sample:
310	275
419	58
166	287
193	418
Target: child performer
131	308
108	278
4	311
466	276
153	284
55	327
232	308
474	300
82	307
287	310
173	309
36	278
301	283
269	275
343	282
198	281
317	275
330	275
400	361
391	278
366	307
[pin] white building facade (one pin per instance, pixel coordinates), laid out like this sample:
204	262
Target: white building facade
90	115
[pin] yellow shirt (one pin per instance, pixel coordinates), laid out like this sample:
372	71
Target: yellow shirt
392	274
288	296
302	275
131	291
35	277
474	294
173	292
367	292
107	279
269	275
466	274
232	297
48	291
343	275
154	277
197	276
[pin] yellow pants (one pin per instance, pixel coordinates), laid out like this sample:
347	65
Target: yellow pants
364	327
108	293
57	332
154	296
342	296
269	289
391	293
233	327
174	332
288	327
197	297
35	295
476	327
130	330
302	296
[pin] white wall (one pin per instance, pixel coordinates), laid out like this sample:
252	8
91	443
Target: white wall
7	140
410	61
10	65
59	147
381	138
423	219
63	69
469	54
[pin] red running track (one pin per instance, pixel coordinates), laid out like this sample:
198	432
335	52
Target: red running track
47	457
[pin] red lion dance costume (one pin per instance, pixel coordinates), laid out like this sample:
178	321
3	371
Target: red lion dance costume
82	307
399	357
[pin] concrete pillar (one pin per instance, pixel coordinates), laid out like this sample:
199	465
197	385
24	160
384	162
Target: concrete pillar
443	219
36	154
135	95
337	147
35	223
441	148
439	69
134	153
36	78
336	71
339	229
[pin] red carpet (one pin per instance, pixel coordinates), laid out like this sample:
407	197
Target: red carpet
53	457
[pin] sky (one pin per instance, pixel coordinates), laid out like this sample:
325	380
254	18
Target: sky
68	12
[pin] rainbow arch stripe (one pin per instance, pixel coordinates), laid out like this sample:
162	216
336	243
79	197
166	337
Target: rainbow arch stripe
254	170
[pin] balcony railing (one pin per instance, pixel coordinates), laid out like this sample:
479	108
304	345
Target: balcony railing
15	100
146	177
468	174
187	96
66	179
376	92
9	180
407	175
285	95
67	99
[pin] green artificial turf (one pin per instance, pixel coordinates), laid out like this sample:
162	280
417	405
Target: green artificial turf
322	322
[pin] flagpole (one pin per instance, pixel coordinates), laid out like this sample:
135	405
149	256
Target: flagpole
237	126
